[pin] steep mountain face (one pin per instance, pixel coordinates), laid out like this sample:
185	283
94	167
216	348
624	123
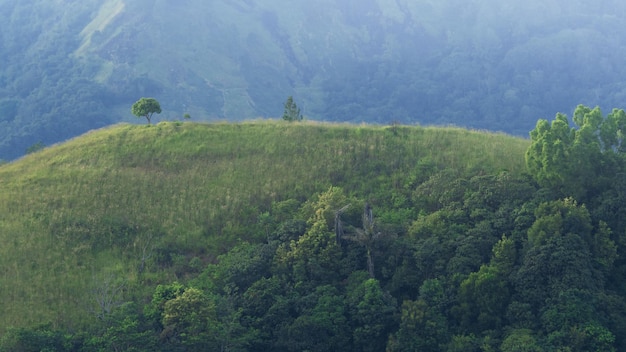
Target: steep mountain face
71	66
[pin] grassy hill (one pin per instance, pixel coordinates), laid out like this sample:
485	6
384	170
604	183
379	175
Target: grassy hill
118	210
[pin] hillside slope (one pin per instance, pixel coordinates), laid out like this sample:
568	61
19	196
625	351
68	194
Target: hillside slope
126	207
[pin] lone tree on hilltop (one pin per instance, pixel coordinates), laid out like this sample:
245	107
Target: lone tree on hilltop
292	111
146	107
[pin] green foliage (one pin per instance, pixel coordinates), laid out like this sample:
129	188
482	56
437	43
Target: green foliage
484	295
504	256
562	263
292	111
560	218
35	148
311	260
223	250
423	325
603	247
578	161
99	198
125	330
422	328
520	340
162	294
461	343
239	268
41	338
190	319
372	314
570	324
322	326
146	107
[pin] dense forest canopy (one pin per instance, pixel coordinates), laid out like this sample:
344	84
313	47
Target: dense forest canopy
71	66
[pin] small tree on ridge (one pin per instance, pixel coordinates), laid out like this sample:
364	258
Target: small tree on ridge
292	111
146	107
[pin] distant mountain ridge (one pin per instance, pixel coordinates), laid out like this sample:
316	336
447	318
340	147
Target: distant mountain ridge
73	66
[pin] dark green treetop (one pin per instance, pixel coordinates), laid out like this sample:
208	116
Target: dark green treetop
292	111
576	161
146	107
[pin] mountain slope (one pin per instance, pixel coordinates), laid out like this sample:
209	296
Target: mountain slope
113	212
69	67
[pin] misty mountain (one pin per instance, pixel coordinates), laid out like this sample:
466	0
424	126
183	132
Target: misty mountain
71	66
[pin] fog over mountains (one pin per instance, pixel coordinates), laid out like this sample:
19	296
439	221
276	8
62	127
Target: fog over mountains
71	66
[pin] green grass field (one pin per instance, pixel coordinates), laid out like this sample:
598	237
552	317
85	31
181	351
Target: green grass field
84	216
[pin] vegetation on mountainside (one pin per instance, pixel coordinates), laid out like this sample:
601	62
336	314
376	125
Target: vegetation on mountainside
290	237
488	65
172	196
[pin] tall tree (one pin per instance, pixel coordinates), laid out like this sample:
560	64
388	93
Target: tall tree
372	315
367	237
292	111
577	161
190	319
484	295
